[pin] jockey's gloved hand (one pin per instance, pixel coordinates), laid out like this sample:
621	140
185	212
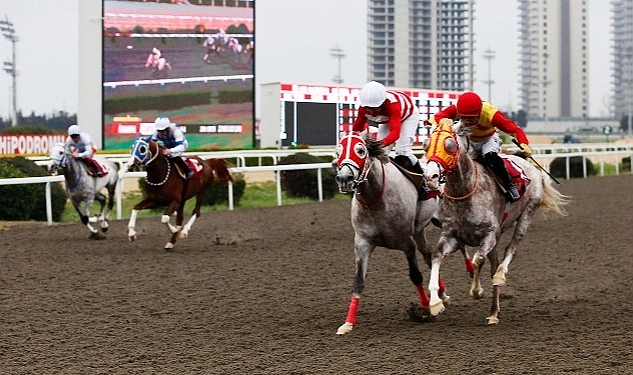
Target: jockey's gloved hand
526	151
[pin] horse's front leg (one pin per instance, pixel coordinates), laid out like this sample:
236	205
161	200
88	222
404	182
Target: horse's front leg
423	247
445	247
174	206
84	214
131	225
165	219
487	245
362	252
101	215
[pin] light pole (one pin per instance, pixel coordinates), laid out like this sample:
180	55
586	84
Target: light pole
489	55
6	27
338	54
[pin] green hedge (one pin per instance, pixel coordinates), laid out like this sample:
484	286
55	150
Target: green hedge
29	196
303	182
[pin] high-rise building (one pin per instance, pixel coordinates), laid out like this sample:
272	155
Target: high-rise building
554	58
424	44
622	11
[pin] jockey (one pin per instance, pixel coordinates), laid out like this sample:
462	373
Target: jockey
484	119
397	118
80	146
174	142
152	59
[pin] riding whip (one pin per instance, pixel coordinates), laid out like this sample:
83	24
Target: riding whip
535	162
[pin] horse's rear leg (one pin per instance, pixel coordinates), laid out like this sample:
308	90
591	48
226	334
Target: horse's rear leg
362	252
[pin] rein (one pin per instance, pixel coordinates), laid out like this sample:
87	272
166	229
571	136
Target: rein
382	188
469	194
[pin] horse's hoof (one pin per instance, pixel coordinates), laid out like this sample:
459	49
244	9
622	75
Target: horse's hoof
96	236
446	299
420	314
492	320
169	246
477	294
437	308
345	328
184	234
499	279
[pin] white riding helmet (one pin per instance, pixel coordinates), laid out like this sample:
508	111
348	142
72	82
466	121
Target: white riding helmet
161	123
156	51
373	94
74	130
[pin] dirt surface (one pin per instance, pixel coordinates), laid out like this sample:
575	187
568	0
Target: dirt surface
263	291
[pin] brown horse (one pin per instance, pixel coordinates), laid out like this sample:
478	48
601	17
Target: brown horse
165	186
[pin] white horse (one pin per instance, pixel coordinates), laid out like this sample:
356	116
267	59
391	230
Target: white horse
387	210
82	188
474	211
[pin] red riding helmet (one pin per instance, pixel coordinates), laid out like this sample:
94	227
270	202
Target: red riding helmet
469	105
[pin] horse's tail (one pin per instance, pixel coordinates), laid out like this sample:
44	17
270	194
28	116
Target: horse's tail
553	200
221	170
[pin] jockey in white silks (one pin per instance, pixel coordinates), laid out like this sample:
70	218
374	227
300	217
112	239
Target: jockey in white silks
174	142
80	145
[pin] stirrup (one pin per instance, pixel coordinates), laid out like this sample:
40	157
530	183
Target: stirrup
512	194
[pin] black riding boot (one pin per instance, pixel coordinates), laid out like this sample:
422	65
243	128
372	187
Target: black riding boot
185	168
498	167
406	163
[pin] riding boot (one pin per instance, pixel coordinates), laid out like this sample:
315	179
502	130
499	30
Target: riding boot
417	168
185	168
498	167
403	161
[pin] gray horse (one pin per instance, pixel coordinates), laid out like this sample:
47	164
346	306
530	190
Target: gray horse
82	188
474	211
386	210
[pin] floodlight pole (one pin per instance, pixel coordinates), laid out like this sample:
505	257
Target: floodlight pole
489	55
6	27
337	53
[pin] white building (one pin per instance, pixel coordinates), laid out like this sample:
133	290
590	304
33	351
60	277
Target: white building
554	58
423	44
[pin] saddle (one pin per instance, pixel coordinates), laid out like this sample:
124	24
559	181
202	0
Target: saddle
193	164
418	181
95	168
519	179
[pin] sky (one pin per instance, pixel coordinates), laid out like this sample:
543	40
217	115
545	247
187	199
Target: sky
294	39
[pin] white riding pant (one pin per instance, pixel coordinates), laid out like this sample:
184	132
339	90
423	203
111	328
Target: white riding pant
407	136
490	144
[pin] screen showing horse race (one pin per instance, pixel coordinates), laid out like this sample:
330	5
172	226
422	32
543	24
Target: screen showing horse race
189	60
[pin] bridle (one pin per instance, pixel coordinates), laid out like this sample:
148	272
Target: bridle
142	152
356	158
448	160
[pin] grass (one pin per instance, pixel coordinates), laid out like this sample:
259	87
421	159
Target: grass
256	195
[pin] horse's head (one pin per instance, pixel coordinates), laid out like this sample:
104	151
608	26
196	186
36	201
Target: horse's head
442	152
141	154
58	157
352	153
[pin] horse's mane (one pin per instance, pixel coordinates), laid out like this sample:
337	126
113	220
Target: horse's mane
375	148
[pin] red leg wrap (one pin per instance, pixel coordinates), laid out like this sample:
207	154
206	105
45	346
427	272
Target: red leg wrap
424	298
469	265
351	313
442	286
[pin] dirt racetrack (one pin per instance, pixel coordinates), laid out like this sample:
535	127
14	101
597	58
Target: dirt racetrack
263	291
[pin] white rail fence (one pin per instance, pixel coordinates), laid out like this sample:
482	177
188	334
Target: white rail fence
600	154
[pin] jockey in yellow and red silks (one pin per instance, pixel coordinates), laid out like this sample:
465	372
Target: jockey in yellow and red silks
397	118
484	119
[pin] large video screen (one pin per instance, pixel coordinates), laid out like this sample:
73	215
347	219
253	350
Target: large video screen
189	60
